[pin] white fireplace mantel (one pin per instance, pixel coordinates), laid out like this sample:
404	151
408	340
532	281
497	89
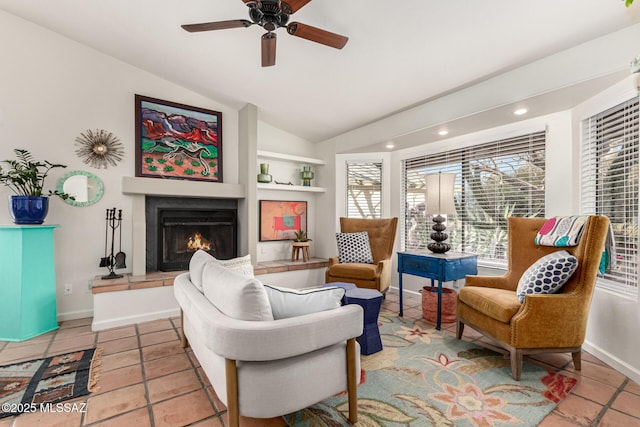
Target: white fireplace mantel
141	187
181	188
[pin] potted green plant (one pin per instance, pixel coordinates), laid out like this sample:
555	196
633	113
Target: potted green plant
301	236
25	177
300	243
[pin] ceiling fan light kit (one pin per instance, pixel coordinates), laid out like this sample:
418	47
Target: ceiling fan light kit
268	49
271	15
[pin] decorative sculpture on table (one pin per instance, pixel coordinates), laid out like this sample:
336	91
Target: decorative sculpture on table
439	200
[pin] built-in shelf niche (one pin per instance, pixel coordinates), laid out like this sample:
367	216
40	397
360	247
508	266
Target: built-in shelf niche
298	160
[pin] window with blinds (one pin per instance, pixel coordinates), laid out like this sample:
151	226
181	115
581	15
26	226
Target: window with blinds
493	181
609	184
364	189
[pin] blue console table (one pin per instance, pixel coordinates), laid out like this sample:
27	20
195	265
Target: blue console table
27	281
441	267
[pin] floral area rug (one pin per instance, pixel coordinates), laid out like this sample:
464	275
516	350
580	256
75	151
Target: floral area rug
424	377
35	385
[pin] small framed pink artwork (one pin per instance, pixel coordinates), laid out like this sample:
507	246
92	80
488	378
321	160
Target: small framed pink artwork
280	219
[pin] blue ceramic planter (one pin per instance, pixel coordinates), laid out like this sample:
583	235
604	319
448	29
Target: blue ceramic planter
28	210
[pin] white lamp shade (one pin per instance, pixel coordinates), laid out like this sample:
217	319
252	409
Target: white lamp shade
439	198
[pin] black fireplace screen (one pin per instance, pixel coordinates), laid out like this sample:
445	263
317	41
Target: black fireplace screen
177	227
184	232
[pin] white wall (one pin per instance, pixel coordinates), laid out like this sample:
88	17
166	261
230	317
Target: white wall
51	90
326	202
274	139
614	319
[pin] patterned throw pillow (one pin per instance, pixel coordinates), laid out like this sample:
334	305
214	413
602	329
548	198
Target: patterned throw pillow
547	275
354	247
241	264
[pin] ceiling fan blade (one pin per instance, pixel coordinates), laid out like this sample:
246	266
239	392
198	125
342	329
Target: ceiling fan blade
317	35
219	25
268	49
296	5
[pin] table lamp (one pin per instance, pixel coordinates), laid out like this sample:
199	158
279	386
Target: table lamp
439	201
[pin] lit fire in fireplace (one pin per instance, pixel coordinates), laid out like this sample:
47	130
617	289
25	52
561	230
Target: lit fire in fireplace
198	242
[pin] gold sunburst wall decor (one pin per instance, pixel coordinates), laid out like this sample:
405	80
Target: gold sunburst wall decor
99	148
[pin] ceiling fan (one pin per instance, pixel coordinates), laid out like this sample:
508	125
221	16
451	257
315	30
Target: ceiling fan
271	15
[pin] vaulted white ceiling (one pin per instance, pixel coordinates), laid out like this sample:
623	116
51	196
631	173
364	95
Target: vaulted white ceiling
400	53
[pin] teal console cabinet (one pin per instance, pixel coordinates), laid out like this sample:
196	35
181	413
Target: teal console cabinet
27	281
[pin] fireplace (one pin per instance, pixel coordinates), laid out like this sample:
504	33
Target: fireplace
177	227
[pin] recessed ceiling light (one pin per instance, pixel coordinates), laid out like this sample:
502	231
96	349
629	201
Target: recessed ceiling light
390	145
443	132
520	111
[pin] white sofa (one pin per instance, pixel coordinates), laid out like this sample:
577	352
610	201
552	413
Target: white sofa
267	368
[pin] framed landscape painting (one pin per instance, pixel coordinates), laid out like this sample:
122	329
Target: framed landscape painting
177	141
280	219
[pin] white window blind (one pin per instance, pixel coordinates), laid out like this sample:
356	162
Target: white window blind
609	184
364	189
493	181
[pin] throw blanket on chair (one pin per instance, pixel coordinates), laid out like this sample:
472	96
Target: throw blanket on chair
609	256
562	231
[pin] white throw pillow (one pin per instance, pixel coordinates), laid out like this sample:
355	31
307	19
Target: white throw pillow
547	275
237	296
200	258
354	247
196	266
291	303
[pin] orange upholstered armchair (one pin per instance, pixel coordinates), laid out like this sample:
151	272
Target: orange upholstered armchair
382	234
551	323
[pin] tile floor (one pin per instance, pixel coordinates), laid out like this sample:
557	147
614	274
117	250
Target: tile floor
148	379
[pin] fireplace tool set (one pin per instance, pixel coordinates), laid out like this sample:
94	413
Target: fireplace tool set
113	261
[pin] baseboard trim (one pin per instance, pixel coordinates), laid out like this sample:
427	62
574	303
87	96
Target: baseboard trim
623	367
129	320
73	315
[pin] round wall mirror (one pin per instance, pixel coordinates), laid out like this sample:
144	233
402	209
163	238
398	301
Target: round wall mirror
85	187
